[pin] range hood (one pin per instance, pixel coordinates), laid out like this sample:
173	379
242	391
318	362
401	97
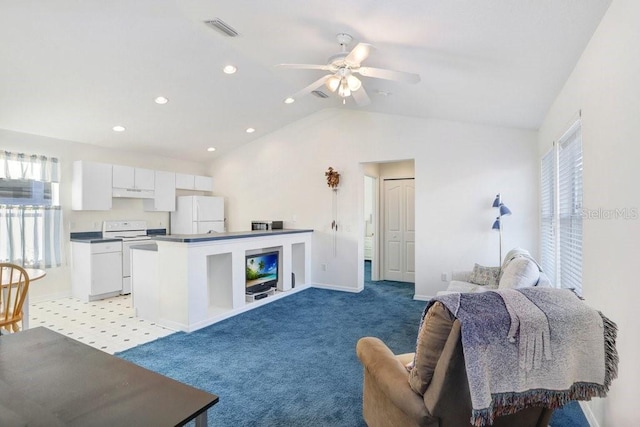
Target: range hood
133	193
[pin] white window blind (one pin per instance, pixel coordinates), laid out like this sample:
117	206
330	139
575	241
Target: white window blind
570	208
561	210
548	241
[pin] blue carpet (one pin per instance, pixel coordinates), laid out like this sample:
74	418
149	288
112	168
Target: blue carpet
292	362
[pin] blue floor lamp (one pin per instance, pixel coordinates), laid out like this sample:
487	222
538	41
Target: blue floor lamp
497	224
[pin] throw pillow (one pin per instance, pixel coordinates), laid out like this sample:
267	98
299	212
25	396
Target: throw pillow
520	272
486	276
432	337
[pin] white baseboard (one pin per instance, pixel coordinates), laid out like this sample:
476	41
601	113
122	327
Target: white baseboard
588	414
338	288
422	297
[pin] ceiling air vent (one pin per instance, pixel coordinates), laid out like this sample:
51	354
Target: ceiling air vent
320	94
222	26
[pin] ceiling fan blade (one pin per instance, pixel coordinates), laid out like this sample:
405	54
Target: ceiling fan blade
313	86
305	67
380	73
361	97
358	54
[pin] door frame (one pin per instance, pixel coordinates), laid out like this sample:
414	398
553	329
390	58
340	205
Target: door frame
375	259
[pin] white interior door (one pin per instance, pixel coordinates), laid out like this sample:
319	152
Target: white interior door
399	230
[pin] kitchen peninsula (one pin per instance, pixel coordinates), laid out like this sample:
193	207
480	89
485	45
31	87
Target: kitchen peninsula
193	281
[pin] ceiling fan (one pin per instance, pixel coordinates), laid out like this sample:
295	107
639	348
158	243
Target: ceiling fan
342	68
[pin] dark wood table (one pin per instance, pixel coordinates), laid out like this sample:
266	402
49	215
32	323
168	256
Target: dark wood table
48	379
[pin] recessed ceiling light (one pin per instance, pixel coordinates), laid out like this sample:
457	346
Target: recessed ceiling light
289	101
210	149
229	69
119	128
161	100
250	130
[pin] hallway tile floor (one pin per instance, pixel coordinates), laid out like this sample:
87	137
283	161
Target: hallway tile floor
109	325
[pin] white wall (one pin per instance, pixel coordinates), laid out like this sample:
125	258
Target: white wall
605	85
458	168
57	283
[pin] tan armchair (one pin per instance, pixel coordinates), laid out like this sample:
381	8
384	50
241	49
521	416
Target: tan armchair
389	400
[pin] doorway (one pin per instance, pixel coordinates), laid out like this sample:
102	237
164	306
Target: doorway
399	265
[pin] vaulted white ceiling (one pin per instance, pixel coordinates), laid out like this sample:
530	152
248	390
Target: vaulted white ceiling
73	69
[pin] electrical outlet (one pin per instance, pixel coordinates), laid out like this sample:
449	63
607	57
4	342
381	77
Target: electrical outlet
444	277
323	267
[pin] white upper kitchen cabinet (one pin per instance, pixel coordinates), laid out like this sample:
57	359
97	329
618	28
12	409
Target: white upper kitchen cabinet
133	178
164	198
91	186
193	182
203	183
185	181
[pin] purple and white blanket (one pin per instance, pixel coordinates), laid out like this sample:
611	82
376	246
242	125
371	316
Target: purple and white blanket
531	347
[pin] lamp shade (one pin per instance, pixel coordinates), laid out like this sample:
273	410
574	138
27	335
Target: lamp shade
504	210
343	89
496	201
332	83
354	83
496	224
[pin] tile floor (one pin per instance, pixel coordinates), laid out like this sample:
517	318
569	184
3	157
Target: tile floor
108	325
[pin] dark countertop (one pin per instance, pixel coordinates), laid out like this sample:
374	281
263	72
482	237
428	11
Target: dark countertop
96	236
191	238
91	237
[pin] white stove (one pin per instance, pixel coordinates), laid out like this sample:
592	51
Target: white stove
131	233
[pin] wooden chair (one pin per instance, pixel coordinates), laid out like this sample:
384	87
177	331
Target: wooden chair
14	285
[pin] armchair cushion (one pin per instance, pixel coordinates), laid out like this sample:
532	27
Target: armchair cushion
432	336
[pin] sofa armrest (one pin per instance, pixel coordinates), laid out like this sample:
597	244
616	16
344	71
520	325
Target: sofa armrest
461	286
391	376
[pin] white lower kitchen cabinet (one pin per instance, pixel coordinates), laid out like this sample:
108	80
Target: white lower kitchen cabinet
96	270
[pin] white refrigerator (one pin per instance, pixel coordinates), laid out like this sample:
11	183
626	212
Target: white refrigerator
198	215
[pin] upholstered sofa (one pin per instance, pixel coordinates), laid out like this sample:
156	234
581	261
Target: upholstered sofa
435	390
518	270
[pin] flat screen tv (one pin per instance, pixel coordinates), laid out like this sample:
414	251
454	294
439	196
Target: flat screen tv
262	272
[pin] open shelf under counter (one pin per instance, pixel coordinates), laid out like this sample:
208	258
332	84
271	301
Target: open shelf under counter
201	278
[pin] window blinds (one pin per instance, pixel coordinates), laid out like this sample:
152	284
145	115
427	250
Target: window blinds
547	216
570	208
561	210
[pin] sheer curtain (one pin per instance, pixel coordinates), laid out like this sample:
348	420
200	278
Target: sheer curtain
30	215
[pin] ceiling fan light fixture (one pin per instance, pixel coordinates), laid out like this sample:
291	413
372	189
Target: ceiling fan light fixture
354	83
333	83
344	90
